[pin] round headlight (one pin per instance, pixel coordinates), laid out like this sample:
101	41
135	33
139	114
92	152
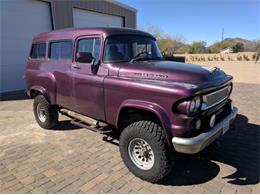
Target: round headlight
192	107
198	102
195	104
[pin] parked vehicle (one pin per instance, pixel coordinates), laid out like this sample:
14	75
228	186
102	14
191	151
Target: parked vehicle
114	77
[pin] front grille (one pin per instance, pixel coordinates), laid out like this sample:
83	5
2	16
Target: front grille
221	111
214	98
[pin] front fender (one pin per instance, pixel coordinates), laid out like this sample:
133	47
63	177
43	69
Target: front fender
153	108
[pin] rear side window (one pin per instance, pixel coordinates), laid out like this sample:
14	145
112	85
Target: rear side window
60	50
38	50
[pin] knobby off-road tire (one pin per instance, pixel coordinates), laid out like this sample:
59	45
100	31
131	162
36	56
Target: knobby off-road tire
149	135
45	114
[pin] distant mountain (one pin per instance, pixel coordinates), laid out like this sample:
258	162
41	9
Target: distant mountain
229	42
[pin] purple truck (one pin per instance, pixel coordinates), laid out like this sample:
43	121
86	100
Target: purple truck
116	78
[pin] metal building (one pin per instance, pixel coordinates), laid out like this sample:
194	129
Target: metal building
22	19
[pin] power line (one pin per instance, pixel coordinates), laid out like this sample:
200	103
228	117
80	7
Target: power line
222	34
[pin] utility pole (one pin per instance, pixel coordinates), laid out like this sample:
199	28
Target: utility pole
222	34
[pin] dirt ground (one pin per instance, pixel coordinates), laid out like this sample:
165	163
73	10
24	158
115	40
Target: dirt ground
242	71
75	160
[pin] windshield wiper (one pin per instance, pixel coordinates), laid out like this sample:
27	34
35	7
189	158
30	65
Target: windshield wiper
145	59
137	57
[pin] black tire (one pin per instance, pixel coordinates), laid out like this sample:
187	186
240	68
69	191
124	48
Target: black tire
50	112
152	134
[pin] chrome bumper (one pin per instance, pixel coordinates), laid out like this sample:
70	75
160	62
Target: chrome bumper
196	144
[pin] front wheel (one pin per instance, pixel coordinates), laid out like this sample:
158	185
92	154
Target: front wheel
144	151
45	114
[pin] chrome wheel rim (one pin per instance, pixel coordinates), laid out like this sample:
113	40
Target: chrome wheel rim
141	153
41	113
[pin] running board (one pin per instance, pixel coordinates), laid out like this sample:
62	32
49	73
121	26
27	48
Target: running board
81	124
83	118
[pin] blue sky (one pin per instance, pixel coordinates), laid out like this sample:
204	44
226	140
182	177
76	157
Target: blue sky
200	19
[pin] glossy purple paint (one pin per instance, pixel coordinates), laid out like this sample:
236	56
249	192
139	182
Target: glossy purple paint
154	86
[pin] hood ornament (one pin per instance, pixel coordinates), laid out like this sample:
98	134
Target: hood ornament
211	69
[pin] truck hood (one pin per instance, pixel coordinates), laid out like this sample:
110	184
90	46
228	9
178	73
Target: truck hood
171	71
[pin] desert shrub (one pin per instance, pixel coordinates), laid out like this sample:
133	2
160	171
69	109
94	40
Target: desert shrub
216	58
239	57
254	56
246	57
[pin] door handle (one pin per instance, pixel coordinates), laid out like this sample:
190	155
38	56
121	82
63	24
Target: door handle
75	66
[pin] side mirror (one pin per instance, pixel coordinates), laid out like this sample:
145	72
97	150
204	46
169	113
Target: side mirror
84	57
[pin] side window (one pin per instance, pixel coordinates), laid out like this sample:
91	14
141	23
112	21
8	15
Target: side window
41	50
91	45
38	50
60	50
54	50
96	49
34	51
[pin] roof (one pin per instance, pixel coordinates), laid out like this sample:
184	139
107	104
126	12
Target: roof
72	33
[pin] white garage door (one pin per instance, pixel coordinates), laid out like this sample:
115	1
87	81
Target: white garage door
85	18
20	21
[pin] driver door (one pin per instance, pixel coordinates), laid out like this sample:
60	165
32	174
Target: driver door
88	96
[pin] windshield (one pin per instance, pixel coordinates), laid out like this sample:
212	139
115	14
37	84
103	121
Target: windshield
126	48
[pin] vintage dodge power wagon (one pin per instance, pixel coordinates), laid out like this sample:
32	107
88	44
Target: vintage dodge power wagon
116	78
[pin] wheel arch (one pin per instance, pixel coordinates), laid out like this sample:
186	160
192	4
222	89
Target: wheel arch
149	108
37	90
41	82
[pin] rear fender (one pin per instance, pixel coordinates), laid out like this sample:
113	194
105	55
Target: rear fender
42	82
41	90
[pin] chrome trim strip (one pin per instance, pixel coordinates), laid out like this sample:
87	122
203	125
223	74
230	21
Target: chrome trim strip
204	99
196	144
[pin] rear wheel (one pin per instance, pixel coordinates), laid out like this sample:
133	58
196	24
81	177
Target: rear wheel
144	151
45	114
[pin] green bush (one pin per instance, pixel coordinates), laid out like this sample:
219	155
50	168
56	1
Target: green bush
239	47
